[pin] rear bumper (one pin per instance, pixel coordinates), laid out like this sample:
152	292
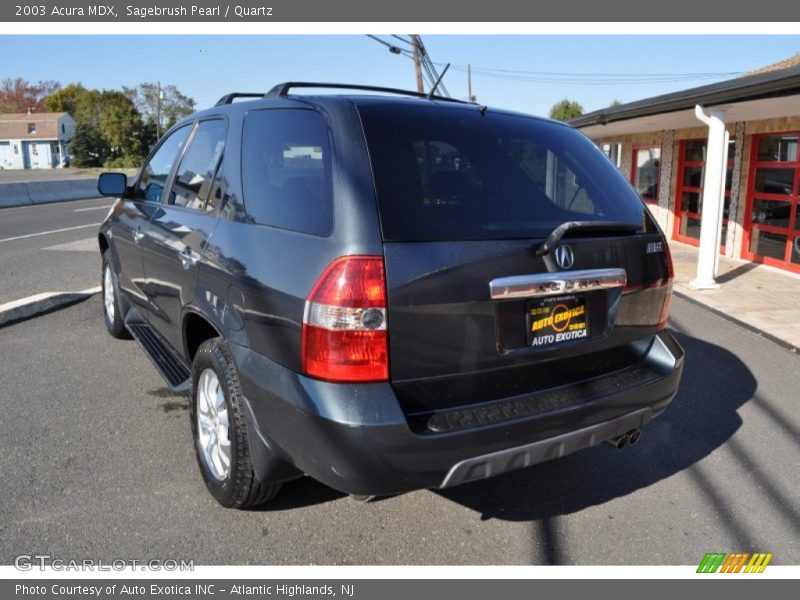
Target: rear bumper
356	439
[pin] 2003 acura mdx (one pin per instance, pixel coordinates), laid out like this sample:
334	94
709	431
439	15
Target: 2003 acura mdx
388	292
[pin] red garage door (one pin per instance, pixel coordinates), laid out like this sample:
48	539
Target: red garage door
772	222
689	197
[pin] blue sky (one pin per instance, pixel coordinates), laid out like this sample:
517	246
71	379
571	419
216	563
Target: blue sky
206	67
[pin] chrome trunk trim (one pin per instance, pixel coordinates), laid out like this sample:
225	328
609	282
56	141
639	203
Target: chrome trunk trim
553	284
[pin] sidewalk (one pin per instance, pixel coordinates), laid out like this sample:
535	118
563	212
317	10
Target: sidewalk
762	297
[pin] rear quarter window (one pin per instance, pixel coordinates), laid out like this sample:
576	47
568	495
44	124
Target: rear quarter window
446	173
286	170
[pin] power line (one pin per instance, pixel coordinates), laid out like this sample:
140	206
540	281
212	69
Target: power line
570	74
402	39
427	67
392	48
590	78
433	74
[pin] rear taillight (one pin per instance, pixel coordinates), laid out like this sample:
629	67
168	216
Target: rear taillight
344	323
662	320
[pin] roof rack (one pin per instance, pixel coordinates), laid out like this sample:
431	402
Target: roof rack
229	98
282	90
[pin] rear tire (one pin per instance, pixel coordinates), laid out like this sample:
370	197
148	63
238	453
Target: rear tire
219	430
115	323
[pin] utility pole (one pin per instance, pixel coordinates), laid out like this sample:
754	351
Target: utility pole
470	97
417	62
158	112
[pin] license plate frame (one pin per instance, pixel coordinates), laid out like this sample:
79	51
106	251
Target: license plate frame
555	320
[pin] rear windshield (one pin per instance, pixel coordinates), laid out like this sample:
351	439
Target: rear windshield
451	174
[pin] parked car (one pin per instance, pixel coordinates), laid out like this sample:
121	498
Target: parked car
388	292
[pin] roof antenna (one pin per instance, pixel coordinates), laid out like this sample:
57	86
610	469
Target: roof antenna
438	81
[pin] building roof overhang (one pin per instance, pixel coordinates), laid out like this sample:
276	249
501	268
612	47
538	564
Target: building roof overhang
757	96
750	110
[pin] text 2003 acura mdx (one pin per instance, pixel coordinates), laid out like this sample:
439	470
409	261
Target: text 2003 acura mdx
388	293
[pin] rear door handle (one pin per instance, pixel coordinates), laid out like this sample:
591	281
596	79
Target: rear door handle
188	258
138	234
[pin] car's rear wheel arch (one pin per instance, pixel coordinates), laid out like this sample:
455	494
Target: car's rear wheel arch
196	330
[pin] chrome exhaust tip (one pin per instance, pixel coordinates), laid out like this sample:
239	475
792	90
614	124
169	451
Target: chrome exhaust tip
633	436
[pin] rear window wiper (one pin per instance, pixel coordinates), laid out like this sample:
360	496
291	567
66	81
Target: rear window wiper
605	227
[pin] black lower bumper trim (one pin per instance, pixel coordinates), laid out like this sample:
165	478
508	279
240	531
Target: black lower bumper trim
496	463
533	404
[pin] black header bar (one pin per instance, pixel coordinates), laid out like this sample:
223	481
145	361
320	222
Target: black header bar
443	11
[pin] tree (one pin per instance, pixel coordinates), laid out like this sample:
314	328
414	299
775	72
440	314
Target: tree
19	95
65	99
174	104
88	108
120	125
566	110
614	103
149	137
88	148
112	128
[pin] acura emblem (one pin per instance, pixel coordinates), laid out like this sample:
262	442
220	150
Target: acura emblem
564	257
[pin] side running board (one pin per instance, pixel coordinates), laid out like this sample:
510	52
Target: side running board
169	364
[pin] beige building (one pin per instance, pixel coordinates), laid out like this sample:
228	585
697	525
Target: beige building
35	140
718	164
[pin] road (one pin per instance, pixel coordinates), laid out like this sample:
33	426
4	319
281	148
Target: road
97	461
50	247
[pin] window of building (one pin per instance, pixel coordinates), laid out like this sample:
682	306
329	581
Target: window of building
645	171
31	128
199	164
613	150
689	197
63	128
286	170
16	149
772	220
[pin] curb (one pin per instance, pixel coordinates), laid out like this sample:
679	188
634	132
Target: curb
751	328
25	193
28	193
40	304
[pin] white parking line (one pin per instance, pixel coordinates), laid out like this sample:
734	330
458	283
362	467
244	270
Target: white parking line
104	207
48	205
30	235
85	245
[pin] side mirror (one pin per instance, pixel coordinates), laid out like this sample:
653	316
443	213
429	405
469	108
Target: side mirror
112	184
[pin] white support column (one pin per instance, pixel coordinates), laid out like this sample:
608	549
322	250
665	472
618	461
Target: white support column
722	200
713	194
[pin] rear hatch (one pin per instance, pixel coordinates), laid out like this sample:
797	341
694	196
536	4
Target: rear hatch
479	307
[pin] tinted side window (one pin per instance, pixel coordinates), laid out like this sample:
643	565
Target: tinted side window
156	171
198	165
217	189
286	170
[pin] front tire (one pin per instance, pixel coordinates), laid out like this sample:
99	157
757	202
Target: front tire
111	310
219	430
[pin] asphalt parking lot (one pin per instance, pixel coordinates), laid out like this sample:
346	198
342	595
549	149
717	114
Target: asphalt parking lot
50	247
97	462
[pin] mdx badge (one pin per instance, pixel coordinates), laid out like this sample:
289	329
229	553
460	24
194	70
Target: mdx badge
564	257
